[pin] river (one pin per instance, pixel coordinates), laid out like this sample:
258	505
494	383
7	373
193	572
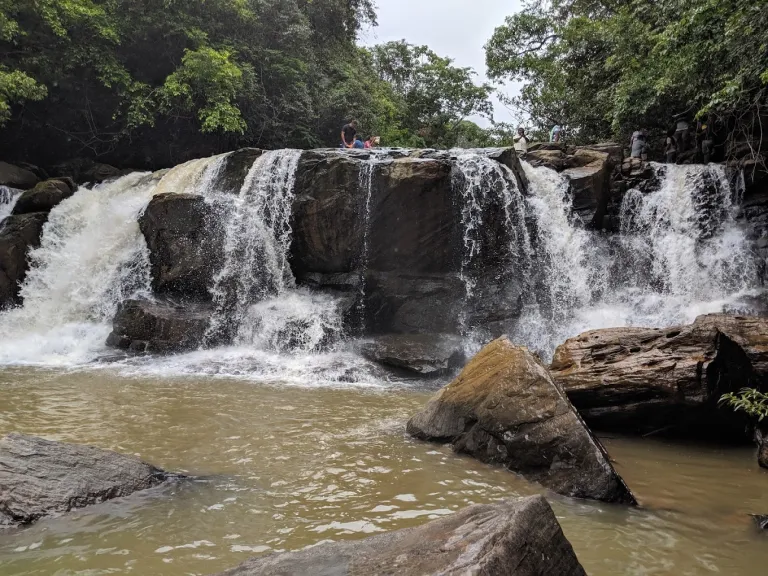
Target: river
280	467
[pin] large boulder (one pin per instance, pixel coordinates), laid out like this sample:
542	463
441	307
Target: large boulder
18	235
515	538
45	196
163	327
85	170
504	408
17	177
40	477
184	240
423	354
646	379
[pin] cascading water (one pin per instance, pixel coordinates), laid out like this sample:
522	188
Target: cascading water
680	254
8	198
255	298
92	256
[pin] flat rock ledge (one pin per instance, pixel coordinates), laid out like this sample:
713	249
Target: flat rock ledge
504	408
423	354
515	538
40	477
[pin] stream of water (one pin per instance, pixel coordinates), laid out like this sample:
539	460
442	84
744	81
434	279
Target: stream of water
295	438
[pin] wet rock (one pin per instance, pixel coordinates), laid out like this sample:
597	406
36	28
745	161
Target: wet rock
39	477
590	185
515	538
162	326
85	170
644	379
17	177
761	521
45	196
504	408
236	168
424	354
18	235
762	448
185	244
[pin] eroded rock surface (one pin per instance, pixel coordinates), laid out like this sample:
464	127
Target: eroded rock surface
644	379
161	326
39	477
515	538
504	408
424	354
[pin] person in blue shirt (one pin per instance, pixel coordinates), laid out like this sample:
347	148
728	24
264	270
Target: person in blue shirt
359	144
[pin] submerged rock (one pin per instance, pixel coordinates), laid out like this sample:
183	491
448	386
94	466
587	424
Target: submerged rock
18	235
504	408
17	177
160	326
646	379
45	196
39	477
761	521
515	538
425	354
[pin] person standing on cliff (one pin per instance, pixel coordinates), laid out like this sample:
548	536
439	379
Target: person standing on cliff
555	135
348	133
521	141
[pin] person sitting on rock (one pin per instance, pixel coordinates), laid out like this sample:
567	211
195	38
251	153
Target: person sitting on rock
348	133
521	141
359	144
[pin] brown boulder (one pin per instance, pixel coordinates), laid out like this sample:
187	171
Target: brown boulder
18	235
515	538
643	379
504	408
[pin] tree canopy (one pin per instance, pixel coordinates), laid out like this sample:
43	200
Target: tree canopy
154	82
604	68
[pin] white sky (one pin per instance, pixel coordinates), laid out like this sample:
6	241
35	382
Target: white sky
455	28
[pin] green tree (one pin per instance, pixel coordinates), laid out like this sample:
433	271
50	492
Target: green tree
604	68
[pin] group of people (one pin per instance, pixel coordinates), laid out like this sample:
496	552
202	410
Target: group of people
350	139
679	141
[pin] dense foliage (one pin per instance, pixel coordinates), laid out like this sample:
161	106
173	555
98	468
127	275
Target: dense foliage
603	68
748	400
154	82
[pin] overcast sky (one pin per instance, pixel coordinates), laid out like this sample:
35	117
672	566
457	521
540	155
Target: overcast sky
455	28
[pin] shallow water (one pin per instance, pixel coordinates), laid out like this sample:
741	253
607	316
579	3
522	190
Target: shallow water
284	467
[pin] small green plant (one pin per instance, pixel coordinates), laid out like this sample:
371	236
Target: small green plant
748	400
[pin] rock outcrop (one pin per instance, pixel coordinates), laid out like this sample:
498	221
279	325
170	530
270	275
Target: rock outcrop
504	408
514	538
423	354
644	379
160	326
39	477
589	170
45	196
185	246
85	170
18	235
17	177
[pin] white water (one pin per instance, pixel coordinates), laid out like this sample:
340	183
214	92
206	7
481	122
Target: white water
8	198
92	256
680	254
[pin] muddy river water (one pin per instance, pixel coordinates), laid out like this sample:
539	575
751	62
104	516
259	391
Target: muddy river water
281	467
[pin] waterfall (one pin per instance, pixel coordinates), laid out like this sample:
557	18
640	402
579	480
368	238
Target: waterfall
8	198
256	303
680	253
92	256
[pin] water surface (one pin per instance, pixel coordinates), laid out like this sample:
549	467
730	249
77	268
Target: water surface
283	467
